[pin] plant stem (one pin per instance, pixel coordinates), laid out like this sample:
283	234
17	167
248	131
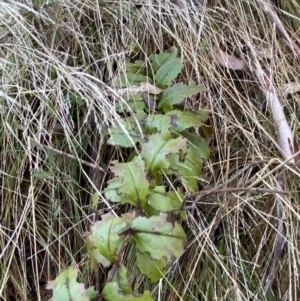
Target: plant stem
116	265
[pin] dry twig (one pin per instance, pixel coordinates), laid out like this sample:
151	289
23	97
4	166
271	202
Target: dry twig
201	194
57	151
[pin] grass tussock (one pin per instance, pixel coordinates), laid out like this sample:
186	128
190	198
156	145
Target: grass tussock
57	61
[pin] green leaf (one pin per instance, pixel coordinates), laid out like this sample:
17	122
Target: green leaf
153	269
95	199
111	292
121	278
176	94
95	256
136	67
129	79
40	174
66	288
181	120
158	237
16	125
91	293
124	137
168	72
157	60
50	156
160	124
162	201
155	151
202	150
130	185
189	169
104	236
74	96
135	102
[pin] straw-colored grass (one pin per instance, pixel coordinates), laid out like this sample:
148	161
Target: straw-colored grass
56	60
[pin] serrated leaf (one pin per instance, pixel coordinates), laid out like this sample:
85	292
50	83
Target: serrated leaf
158	237
202	150
162	201
66	288
153	269
111	292
135	102
130	185
176	94
123	138
136	67
104	237
181	120
121	278
160	124
189	169
95	256
168	72
157	60
156	149
129	79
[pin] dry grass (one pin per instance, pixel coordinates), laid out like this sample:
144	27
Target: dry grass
56	58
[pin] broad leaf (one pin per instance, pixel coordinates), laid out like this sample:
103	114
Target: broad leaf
158	237
136	67
157	60
66	288
176	94
92	293
168	72
104	237
112	292
160	124
181	120
124	138
202	150
134	102
130	185
155	151
95	256
162	201
121	278
153	269
189	168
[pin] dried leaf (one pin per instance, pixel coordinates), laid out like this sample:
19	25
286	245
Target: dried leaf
143	87
229	61
289	88
265	53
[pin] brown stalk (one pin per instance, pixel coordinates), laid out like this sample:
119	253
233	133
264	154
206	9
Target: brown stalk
201	194
272	15
57	151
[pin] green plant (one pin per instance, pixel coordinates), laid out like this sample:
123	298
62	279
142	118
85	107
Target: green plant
158	130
